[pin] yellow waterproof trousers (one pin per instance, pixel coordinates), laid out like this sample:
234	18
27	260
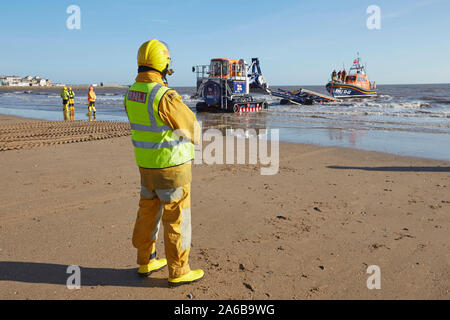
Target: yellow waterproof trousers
72	109
91	107
66	112
173	208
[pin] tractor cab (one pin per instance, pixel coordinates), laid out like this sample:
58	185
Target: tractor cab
228	68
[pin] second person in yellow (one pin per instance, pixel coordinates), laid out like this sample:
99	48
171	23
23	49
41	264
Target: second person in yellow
71	95
91	100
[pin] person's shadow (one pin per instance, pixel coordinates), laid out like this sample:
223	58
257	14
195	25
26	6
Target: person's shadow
33	272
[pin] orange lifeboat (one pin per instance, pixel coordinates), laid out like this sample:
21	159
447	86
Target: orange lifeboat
352	85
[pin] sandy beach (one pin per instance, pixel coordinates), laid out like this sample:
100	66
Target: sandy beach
308	232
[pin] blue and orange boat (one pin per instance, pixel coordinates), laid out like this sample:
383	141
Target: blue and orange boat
355	84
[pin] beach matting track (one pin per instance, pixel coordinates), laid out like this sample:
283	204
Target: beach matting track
27	135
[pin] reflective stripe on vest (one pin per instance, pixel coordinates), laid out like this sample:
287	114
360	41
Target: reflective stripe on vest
155	143
158	145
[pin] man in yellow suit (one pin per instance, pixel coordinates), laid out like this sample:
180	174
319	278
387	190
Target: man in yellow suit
71	103
91	100
163	132
65	99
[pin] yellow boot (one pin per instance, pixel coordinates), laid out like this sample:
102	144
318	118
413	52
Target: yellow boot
191	276
147	269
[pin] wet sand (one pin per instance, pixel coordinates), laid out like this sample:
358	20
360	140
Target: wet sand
309	232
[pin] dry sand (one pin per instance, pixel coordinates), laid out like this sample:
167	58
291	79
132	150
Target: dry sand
309	232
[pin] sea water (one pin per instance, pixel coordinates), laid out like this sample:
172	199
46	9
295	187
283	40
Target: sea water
411	120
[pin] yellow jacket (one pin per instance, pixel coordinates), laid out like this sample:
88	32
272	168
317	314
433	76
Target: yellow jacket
178	116
91	95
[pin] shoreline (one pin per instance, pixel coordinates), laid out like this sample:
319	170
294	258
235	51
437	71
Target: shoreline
5	118
317	144
308	232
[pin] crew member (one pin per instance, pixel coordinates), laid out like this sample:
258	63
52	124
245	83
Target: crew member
163	132
344	75
65	101
91	99
339	76
333	76
71	103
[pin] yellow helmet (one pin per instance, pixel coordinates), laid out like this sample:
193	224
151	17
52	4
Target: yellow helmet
154	54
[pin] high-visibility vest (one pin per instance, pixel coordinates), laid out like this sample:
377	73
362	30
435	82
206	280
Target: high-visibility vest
64	94
156	145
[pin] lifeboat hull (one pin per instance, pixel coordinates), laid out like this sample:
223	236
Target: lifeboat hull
342	90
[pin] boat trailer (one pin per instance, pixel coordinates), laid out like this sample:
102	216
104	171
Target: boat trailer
301	97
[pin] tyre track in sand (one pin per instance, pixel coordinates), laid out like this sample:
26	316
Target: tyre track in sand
28	135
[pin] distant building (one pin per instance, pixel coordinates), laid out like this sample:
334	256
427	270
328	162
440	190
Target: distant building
28	81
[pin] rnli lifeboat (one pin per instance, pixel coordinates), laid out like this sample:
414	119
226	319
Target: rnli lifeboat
355	84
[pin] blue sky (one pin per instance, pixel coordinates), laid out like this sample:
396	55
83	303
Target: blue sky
298	42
